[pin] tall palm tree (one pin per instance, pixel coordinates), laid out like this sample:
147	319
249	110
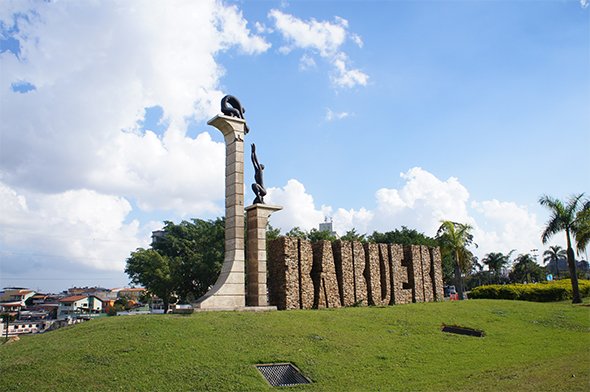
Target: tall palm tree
454	239
553	255
496	261
582	235
570	218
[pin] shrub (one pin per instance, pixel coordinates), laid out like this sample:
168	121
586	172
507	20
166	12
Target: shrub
560	290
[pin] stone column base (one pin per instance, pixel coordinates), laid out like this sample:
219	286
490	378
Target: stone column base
257	218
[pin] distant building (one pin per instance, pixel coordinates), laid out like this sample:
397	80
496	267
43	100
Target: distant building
79	304
581	266
157	235
134	293
12	299
98	291
20	327
327	226
48	303
10	306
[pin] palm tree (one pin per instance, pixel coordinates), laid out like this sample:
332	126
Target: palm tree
476	266
571	218
496	261
553	255
526	270
582	235
454	239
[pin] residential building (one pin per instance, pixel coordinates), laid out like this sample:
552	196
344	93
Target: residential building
132	293
20	327
79	304
12	299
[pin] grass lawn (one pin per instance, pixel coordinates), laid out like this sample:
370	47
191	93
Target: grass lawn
527	347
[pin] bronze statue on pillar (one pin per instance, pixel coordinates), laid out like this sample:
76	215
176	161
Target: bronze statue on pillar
231	106
258	186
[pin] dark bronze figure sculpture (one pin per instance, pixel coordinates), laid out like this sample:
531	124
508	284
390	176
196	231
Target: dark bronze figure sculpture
230	106
258	186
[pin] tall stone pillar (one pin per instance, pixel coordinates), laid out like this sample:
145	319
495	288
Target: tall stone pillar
229	291
257	215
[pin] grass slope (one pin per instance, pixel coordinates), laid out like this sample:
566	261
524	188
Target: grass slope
527	347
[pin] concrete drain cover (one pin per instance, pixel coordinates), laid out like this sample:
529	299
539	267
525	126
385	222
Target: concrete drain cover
462	330
282	374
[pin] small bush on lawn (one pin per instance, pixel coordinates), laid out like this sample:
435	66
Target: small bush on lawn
560	290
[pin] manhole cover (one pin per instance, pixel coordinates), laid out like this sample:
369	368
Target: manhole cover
282	374
462	330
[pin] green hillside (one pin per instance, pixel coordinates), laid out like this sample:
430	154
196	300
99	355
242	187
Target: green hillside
527	347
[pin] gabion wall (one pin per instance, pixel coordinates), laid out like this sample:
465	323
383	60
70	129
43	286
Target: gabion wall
324	274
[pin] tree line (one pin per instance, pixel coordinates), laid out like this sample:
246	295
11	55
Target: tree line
185	259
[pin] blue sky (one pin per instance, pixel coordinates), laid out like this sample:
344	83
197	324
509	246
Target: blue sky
375	114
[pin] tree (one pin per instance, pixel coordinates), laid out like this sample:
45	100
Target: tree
477	276
476	266
495	262
526	270
454	238
272	233
153	271
296	232
316	235
570	218
352	235
197	249
553	255
185	260
404	236
582	234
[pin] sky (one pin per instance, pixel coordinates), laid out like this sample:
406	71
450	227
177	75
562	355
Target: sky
372	114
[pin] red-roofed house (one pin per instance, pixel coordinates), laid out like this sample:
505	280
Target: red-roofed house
13	299
79	304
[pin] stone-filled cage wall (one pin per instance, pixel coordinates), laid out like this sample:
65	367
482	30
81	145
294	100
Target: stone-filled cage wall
325	274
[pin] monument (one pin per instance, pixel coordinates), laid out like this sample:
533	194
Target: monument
304	275
257	218
229	291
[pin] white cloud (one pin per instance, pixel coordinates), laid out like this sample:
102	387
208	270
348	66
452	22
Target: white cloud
147	166
81	120
584	3
79	227
299	209
345	77
421	203
234	31
326	39
506	226
306	62
344	220
357	40
331	115
261	28
73	155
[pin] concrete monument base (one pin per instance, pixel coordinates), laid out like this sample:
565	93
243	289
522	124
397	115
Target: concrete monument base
239	309
257	218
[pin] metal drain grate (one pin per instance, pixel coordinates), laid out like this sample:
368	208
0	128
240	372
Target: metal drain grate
282	374
462	330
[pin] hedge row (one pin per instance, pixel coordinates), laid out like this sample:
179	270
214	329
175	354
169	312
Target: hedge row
559	290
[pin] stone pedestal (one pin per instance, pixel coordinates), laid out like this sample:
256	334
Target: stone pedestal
257	215
229	291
